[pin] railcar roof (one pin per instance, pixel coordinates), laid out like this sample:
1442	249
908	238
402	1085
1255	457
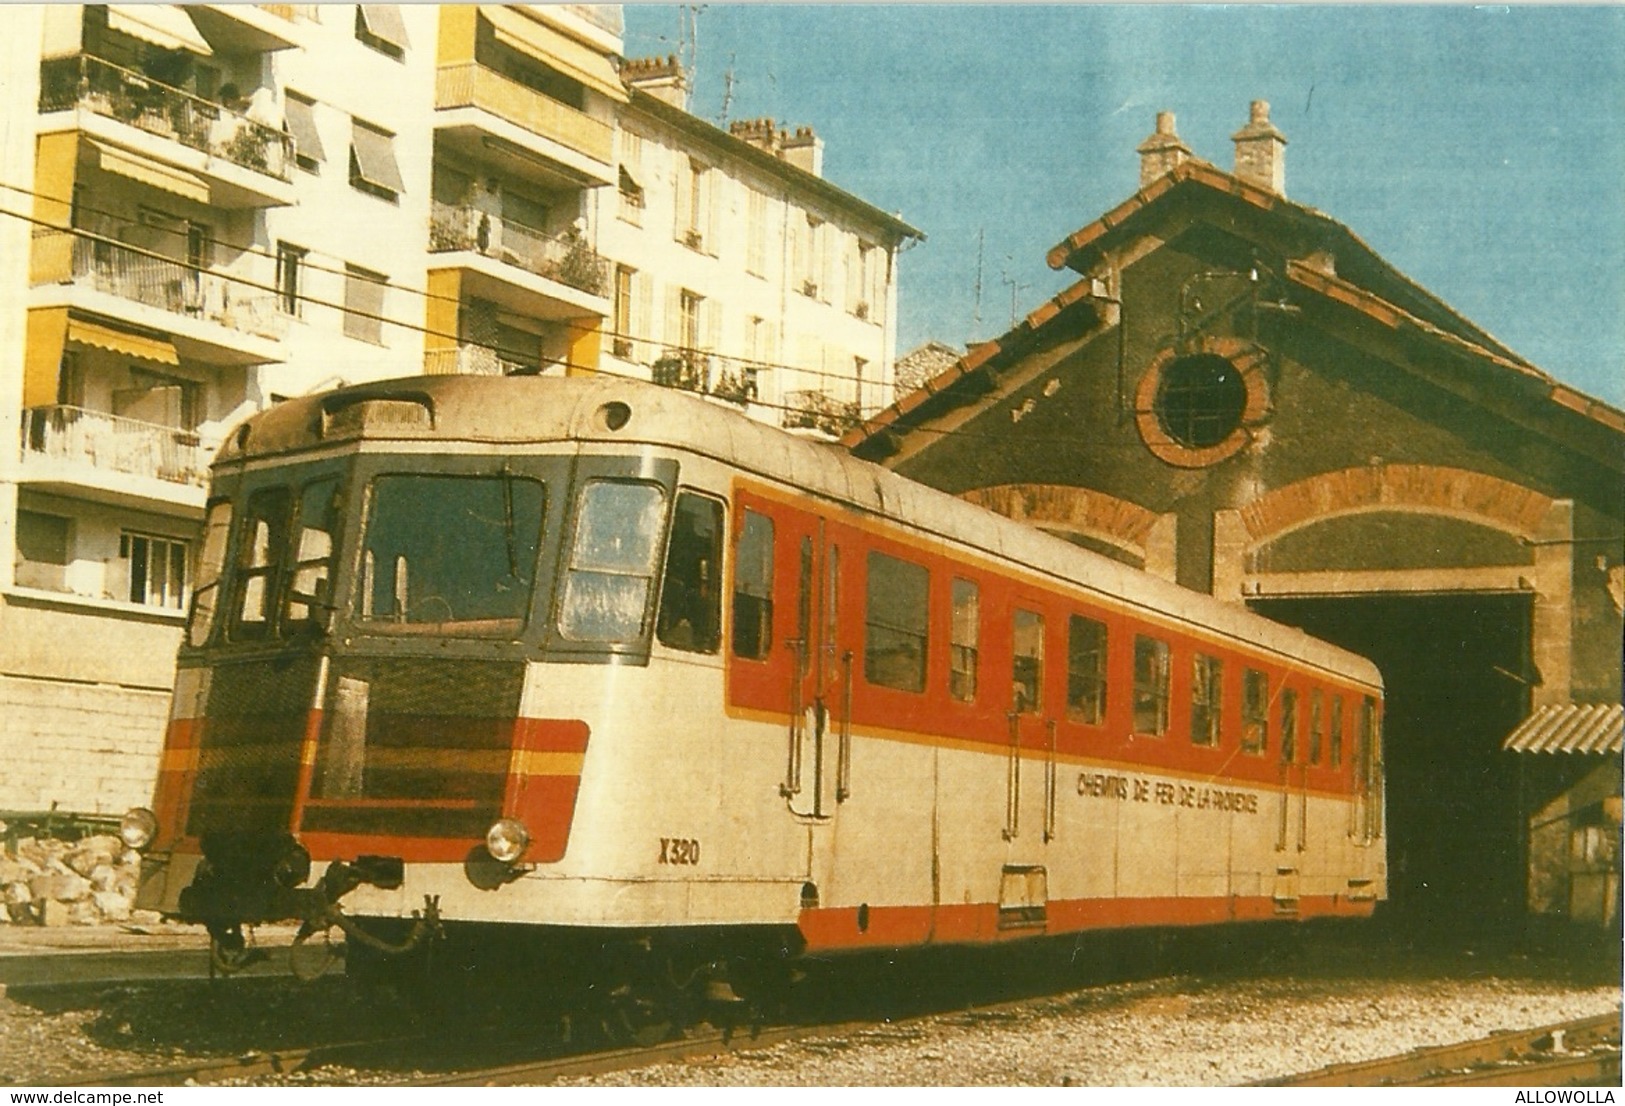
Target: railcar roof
530	410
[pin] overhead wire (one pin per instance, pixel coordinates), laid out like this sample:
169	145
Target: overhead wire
389	284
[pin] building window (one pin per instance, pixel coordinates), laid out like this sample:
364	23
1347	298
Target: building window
290	273
364	304
1150	686
809	250
632	200
307	140
965	634
1207	697
895	623
157	569
1027	662
380	27
688	314
756	234
1194	408
864	296
43	544
1086	671
753	587
621	340
373	168
859	366
1255	711
1200	401
693	223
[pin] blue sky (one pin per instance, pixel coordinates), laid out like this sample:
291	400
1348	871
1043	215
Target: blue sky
1480	150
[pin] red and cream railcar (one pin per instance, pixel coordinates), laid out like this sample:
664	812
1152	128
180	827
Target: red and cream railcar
609	661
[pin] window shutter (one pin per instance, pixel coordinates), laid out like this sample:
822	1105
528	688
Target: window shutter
684	199
643	292
711	325
673	333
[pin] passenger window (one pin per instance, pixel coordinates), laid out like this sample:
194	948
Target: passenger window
612	562
1150	686
1255	711
965	638
1207	696
691	593
1335	750
1086	670
308	593
753	587
261	545
895	623
1028	666
1289	725
1317	726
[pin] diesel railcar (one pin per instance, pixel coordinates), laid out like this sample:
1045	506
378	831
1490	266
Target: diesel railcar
616	672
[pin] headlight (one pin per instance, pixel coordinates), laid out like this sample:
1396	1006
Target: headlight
138	827
506	841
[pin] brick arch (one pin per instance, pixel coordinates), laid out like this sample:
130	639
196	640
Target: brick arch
1431	489
1085	511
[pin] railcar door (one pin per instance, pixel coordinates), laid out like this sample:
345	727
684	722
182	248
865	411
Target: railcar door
787	658
819	736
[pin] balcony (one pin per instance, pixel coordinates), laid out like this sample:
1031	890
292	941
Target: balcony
524	270
564	259
472	361
483	115
243	163
111	459
211	317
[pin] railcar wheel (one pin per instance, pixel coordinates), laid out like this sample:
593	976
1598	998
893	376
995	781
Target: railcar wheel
638	1016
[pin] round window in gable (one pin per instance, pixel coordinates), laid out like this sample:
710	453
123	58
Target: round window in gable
1197	407
1200	400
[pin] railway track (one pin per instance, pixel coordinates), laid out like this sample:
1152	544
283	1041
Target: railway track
1584	1052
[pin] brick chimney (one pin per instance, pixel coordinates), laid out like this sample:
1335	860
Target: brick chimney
662	78
1164	150
761	133
1261	151
804	150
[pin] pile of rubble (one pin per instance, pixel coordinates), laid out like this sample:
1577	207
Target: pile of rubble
54	883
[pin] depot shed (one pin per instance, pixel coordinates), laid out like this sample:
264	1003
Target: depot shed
1239	394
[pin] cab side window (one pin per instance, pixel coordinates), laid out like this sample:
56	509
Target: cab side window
261	545
691	592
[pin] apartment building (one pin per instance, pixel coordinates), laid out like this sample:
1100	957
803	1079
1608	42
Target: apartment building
211	207
738	270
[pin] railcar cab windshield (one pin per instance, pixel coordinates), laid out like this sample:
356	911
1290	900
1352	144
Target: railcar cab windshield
592	558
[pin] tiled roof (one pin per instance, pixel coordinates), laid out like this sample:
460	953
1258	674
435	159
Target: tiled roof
1597	728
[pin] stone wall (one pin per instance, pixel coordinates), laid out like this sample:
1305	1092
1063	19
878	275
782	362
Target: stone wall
90	748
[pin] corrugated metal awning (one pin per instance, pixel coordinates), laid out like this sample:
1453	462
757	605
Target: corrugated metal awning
166	26
141	168
375	157
1572	728
539	41
307	140
384	21
142	347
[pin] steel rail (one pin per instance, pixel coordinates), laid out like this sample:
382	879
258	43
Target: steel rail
1543	1049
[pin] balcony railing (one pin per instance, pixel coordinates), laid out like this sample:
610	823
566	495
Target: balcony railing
159	282
812	409
565	258
98	86
471	85
114	444
473	361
